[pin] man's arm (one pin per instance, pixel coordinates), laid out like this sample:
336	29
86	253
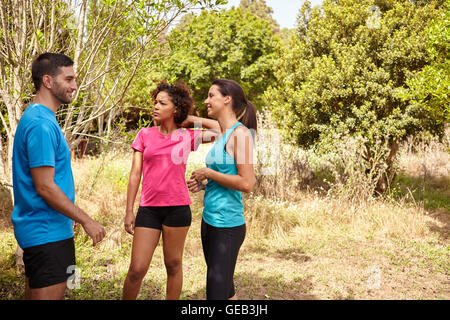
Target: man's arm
43	178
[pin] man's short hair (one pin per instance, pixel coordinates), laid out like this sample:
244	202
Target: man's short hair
48	63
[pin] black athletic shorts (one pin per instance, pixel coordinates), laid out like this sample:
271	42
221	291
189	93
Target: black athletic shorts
50	263
155	217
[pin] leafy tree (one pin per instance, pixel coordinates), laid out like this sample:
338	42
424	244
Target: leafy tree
261	10
27	28
341	73
232	44
428	90
137	102
108	41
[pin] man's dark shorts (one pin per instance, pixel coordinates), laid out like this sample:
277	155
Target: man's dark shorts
49	264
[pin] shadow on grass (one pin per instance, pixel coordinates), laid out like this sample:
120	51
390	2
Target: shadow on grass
250	285
295	254
111	289
443	228
432	192
255	286
266	285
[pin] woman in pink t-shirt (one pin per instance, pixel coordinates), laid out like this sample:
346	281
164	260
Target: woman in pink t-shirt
160	156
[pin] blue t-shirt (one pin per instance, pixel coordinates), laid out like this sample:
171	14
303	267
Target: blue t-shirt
223	206
40	142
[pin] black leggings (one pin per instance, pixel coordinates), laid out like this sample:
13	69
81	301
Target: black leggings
221	247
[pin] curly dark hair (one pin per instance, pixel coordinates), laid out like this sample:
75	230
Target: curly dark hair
180	95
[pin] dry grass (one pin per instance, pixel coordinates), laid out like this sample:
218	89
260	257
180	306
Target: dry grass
426	158
5	208
332	248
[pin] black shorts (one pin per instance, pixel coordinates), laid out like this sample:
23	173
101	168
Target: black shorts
50	263
155	217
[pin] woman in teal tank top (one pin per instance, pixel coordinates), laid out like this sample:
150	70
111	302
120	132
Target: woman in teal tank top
223	206
229	172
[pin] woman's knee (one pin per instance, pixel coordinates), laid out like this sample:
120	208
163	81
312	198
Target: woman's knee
173	266
136	273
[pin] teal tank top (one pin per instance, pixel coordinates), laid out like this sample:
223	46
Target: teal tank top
223	207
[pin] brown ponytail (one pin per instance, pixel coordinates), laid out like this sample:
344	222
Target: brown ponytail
244	109
248	116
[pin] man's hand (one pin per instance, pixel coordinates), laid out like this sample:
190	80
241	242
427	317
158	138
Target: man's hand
94	230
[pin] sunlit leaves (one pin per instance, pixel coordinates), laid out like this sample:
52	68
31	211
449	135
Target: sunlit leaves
232	44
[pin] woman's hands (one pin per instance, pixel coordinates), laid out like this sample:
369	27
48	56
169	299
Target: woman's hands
194	186
198	180
201	174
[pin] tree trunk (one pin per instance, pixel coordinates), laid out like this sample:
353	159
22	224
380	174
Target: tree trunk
3	177
385	180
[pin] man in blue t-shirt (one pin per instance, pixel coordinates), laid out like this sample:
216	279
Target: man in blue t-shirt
44	191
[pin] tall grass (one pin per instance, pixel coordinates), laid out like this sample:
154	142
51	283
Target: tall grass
426	157
343	173
295	185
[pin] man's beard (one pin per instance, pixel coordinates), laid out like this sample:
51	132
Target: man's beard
61	95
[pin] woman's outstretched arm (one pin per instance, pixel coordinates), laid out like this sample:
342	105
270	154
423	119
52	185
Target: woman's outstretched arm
212	126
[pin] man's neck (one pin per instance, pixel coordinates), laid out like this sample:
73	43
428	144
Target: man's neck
47	100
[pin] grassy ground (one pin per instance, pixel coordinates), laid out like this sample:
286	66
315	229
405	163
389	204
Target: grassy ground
316	247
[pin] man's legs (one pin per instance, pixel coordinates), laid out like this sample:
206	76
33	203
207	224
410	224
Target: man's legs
47	268
53	292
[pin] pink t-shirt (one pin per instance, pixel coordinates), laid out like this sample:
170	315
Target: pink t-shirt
164	165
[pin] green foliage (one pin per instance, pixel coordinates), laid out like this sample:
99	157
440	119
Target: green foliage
341	74
429	89
137	102
261	10
431	192
232	44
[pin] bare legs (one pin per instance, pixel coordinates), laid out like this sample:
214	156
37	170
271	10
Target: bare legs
144	243
53	292
173	245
